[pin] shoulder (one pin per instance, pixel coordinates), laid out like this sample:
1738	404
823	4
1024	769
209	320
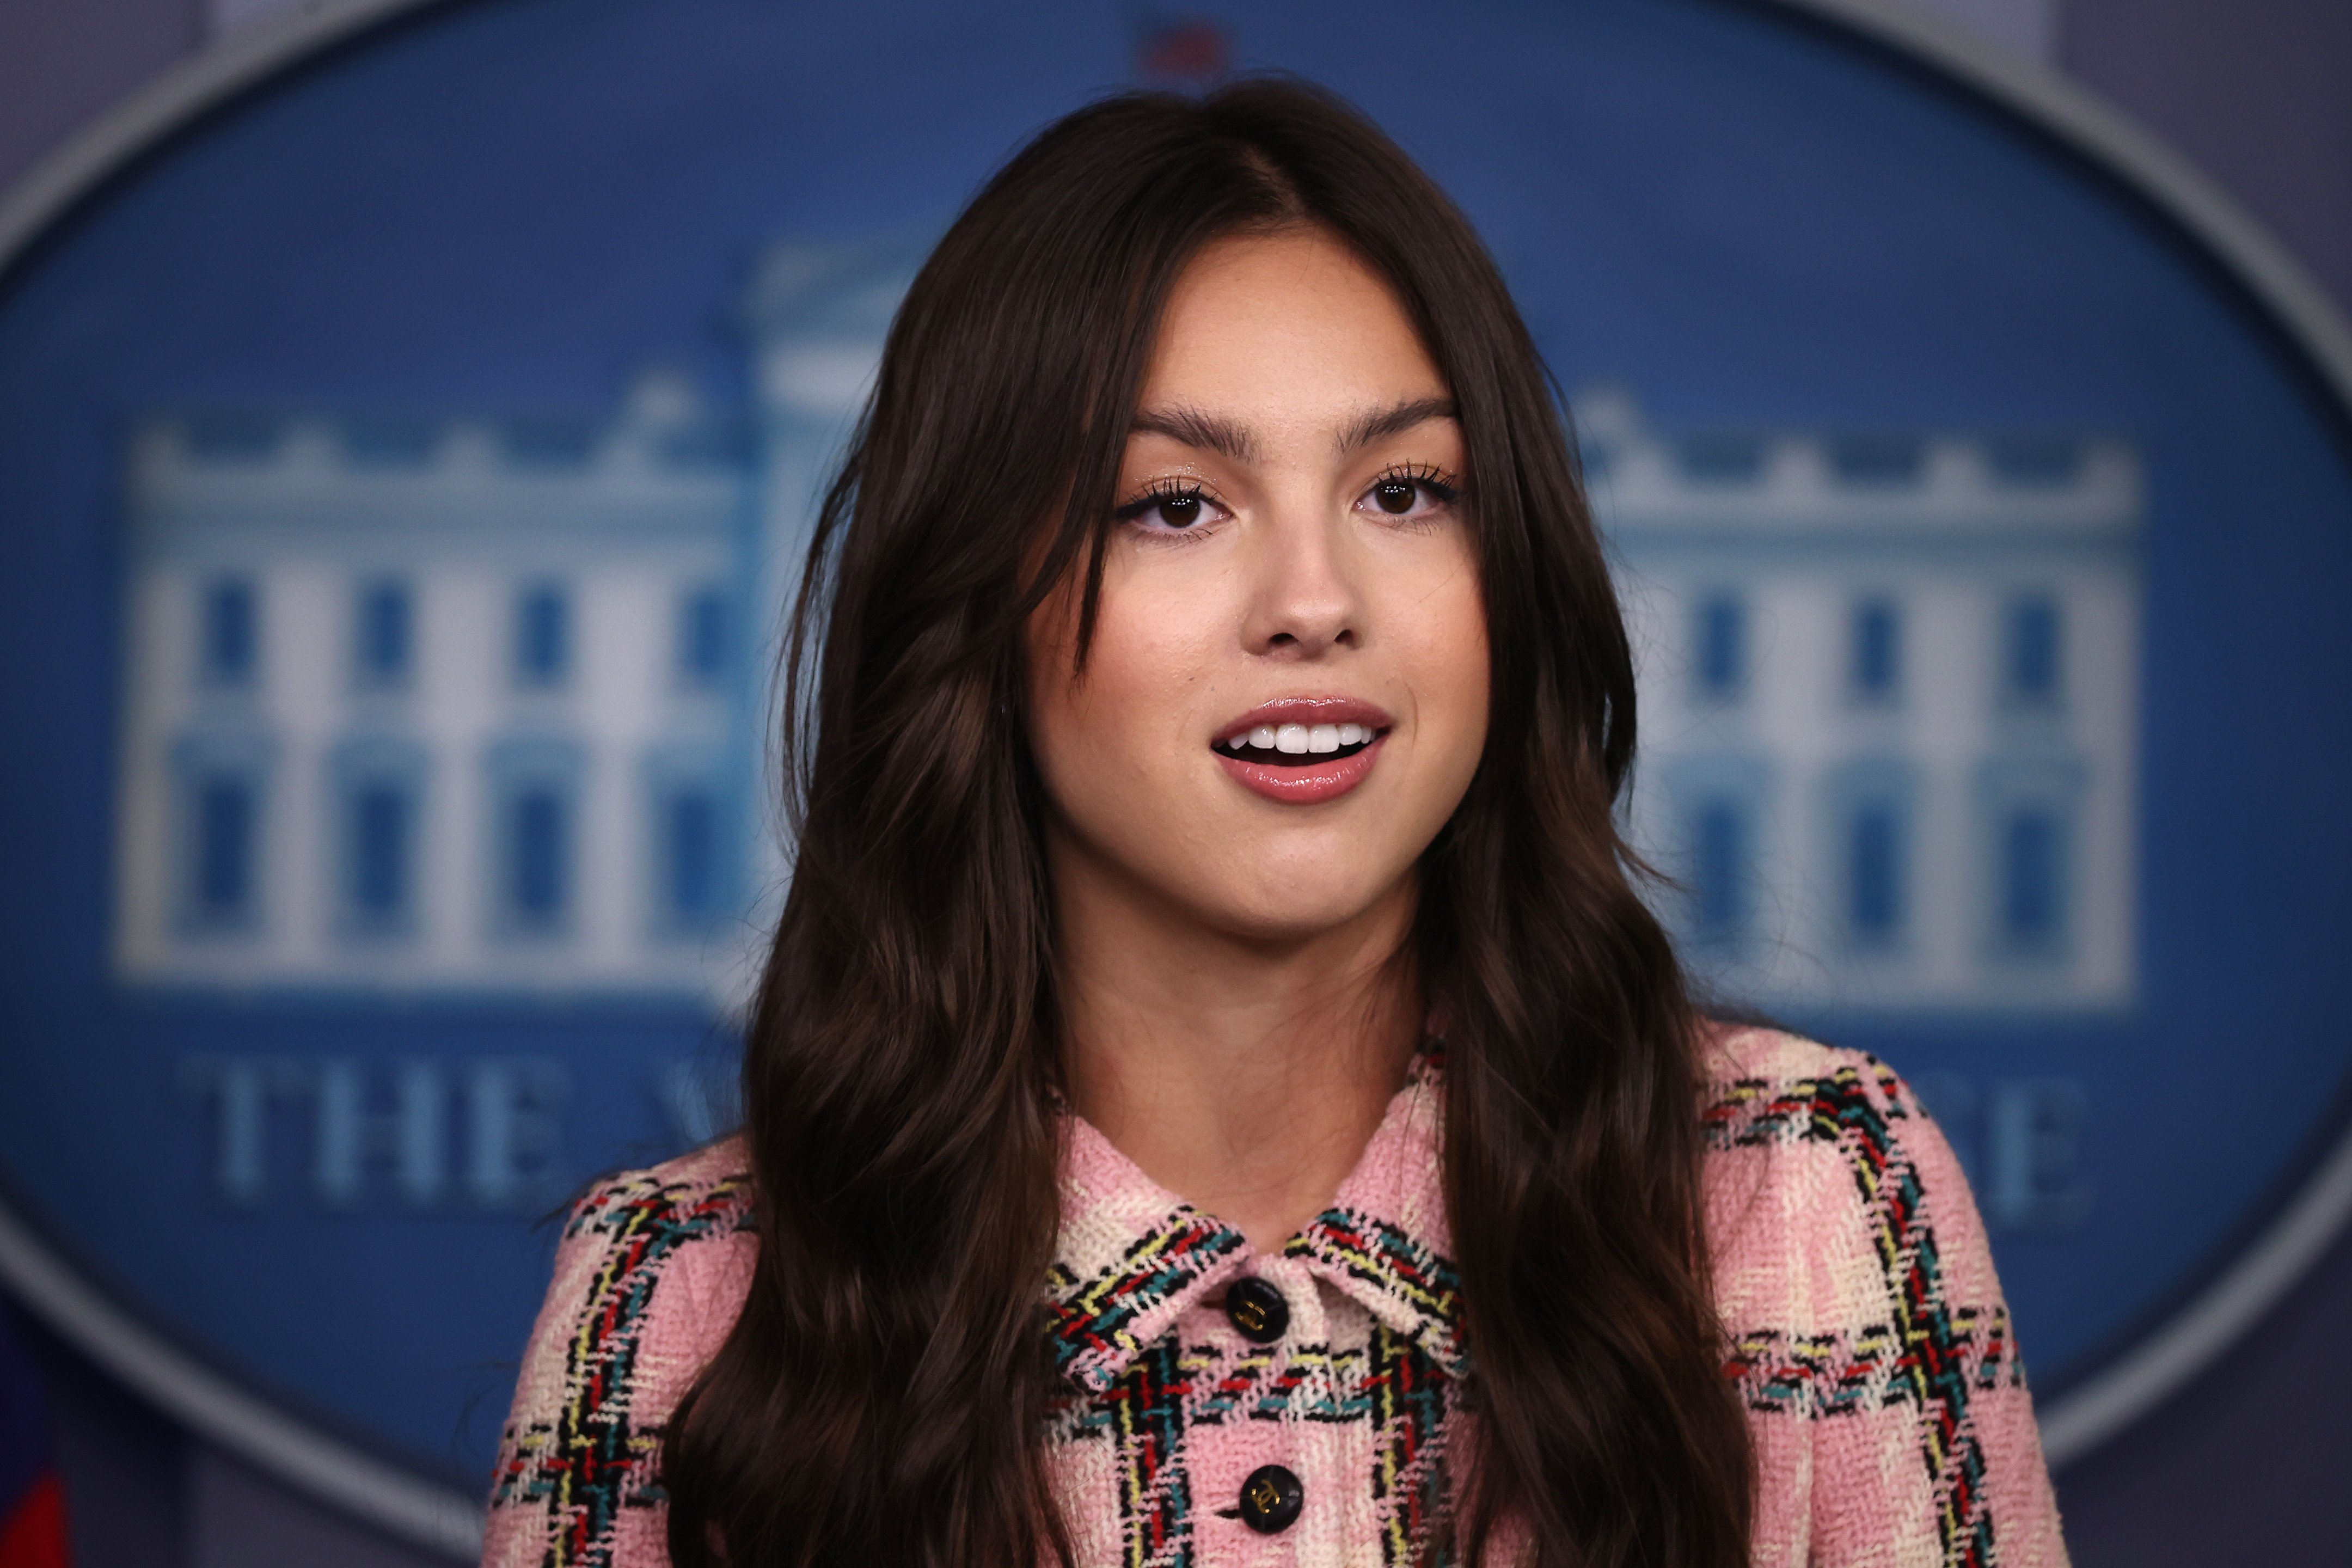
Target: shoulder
649	1277
1778	1108
674	1239
1866	1329
654	1214
1821	1169
1737	1060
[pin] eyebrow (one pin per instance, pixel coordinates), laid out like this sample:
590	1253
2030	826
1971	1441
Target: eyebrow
1196	427
1378	424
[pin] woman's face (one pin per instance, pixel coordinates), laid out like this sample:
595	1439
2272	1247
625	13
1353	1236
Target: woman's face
1286	693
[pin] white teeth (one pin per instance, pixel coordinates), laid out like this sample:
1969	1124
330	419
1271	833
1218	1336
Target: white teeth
1296	739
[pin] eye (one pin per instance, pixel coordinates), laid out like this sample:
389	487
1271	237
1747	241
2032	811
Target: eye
1409	495
1171	508
1176	512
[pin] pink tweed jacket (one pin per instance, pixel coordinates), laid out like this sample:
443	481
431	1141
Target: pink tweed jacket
1866	1334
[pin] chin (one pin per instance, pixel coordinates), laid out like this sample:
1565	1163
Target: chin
1300	912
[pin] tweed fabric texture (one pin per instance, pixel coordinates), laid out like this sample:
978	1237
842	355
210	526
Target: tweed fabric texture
1866	1334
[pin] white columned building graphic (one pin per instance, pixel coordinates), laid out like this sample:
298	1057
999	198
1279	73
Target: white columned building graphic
464	704
435	704
1889	707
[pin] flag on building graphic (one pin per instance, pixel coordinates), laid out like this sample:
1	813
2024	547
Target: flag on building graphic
32	1500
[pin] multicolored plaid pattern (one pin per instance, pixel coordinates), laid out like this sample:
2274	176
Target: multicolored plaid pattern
1864	1328
1868	1336
1929	1353
1091	1321
649	1276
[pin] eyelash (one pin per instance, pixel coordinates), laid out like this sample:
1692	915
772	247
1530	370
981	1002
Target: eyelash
1440	487
1162	493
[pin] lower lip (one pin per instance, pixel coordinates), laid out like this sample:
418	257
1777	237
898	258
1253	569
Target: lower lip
1309	785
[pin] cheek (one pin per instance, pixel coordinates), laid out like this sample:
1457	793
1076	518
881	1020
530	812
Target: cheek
1452	670
1124	719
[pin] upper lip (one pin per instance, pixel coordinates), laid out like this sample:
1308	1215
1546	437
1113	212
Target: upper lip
1308	711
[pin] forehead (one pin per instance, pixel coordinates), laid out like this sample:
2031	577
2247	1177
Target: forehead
1287	328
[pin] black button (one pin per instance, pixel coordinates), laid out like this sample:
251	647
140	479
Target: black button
1258	1310
1271	1499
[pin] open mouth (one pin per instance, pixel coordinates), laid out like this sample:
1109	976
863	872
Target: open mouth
1297	745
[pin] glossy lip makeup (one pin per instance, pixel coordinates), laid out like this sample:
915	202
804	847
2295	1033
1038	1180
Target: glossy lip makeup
1303	751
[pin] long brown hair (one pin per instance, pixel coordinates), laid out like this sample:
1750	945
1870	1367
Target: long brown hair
882	1399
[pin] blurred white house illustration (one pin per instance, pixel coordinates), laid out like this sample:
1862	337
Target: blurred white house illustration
481	705
1889	707
434	703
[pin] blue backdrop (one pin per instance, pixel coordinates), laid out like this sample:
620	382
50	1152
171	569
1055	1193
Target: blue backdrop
516	206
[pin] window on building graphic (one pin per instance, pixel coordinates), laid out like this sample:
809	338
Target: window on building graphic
379	812
1721	856
2032	881
1720	456
378	441
1719	813
2030	804
1873	893
231	435
220	828
383	831
537	878
2035	460
690	848
702	636
537	868
1720	633
224	881
1876	459
2031	651
542	635
1870	832
554	440
384	634
1874	652
690	852
230	633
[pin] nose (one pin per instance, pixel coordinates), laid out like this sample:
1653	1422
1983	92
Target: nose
1303	602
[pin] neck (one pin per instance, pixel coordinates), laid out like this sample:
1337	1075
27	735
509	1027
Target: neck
1242	1073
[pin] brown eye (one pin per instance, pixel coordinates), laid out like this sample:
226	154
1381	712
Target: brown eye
1166	512
1395	496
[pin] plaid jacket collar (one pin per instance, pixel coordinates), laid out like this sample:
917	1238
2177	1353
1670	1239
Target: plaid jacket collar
1132	1258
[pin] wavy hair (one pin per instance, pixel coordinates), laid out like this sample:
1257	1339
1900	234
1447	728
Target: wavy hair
883	1396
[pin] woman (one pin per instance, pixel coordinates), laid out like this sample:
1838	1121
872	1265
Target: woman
1216	1096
